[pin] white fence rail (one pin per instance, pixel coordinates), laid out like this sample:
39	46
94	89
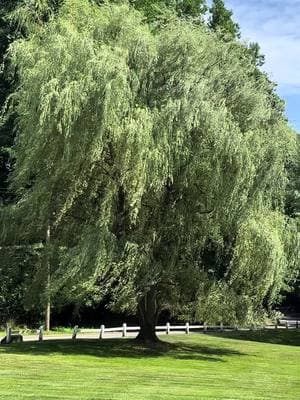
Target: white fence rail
168	328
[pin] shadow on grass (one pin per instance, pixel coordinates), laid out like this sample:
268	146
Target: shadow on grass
284	337
125	348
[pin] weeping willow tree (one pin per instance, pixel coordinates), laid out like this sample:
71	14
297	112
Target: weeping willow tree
156	159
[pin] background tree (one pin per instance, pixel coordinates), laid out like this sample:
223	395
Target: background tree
292	209
292	205
258	57
18	19
7	34
221	20
191	8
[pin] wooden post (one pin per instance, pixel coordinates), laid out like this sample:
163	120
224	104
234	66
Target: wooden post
124	330
297	324
8	334
41	333
276	326
75	331
102	329
287	325
221	327
48	281
187	328
204	327
168	328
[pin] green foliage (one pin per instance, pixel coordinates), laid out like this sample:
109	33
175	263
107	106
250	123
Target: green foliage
191	8
264	262
17	18
221	20
6	129
261	261
29	15
163	9
293	189
139	149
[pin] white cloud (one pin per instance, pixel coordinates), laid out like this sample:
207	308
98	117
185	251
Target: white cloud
274	24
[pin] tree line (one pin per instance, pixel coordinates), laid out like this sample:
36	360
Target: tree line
145	161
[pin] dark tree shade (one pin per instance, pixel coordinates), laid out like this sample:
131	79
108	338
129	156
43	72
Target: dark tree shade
293	190
7	33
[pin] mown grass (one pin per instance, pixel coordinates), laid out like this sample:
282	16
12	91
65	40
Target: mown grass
227	366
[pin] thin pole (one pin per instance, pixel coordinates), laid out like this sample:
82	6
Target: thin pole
48	282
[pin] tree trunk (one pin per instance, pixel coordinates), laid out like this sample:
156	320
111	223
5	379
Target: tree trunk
148	314
47	315
48	281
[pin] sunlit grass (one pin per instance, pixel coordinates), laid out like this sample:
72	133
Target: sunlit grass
185	367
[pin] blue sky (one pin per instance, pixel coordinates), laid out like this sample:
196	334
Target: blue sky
275	25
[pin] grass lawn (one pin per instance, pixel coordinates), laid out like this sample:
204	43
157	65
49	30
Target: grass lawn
29	332
239	365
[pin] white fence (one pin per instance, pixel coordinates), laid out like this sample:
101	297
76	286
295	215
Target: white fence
125	330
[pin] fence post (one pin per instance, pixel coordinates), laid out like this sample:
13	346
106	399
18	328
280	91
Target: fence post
221	327
102	329
204	327
276	326
287	325
297	324
41	333
168	328
187	328
75	331
124	331
8	334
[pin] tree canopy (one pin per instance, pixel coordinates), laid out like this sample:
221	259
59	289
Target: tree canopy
158	159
